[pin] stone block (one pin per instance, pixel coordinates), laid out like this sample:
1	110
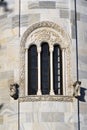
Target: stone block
72	17
47	4
1	119
82	3
83	18
26	126
85	119
73	32
24	20
33	5
70	117
83	107
64	13
33	18
6	75
29	117
85	36
84	128
52	117
83	74
15	21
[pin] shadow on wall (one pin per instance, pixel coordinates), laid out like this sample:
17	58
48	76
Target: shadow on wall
4	4
82	96
1	105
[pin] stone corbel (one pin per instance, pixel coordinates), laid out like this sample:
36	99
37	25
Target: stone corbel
14	91
76	88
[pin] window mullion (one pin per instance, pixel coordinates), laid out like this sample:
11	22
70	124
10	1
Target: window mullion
51	71
64	71
39	71
26	72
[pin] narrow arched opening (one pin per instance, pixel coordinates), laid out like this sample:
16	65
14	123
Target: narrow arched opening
45	68
32	70
57	70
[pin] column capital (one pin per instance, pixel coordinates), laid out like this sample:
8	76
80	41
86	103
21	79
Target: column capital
51	48
38	49
63	48
26	48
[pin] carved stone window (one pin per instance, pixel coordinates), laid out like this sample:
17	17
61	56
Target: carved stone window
59	47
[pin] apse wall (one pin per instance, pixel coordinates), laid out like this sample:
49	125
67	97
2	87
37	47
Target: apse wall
14	21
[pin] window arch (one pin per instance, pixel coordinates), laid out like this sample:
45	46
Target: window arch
32	70
57	70
51	33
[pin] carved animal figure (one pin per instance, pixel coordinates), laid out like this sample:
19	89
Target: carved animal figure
14	91
76	87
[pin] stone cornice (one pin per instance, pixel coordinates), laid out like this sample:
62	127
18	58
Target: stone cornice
35	98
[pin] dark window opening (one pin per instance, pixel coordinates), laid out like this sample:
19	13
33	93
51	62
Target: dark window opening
32	70
45	69
57	70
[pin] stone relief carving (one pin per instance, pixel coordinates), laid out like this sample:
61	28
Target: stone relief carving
14	91
46	34
51	33
46	98
76	88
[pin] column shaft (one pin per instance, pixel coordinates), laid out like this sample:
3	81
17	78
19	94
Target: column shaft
39	72
51	71
64	69
26	71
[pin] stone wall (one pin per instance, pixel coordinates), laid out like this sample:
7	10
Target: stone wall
31	11
47	115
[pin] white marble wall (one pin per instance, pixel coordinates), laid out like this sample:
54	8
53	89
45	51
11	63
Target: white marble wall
32	11
47	115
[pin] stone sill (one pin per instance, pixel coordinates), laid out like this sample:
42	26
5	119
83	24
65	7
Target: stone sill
35	98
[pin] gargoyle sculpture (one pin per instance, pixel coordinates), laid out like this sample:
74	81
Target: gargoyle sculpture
14	91
76	88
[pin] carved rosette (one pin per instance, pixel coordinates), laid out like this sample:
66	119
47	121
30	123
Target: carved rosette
45	32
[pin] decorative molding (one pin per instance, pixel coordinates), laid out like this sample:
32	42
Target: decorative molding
46	98
45	32
48	25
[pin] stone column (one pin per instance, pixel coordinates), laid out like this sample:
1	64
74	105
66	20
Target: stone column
26	71
51	71
39	71
64	71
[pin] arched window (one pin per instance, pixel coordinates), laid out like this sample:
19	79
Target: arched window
57	70
32	70
45	68
51	71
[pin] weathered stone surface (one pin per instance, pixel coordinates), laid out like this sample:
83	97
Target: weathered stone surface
52	117
47	4
64	13
73	32
42	113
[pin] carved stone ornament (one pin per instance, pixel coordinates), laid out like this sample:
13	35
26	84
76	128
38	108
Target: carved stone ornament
14	91
76	88
36	98
45	32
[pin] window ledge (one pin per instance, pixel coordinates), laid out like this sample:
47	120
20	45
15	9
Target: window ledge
35	98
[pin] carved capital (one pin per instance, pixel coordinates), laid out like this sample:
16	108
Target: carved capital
51	48
39	49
